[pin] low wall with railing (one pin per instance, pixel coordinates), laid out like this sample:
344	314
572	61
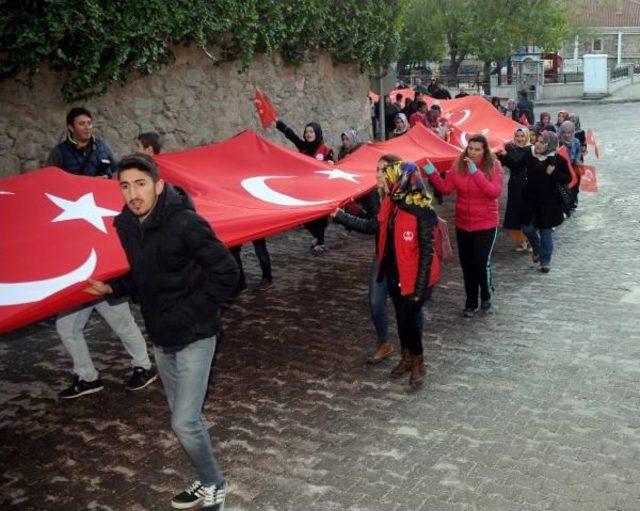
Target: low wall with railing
620	77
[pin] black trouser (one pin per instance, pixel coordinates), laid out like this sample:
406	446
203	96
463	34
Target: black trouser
474	250
408	314
317	228
260	246
574	193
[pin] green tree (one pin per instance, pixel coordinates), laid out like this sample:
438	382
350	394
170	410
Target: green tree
422	36
489	30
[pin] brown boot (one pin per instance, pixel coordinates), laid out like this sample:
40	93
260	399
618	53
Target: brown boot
403	366
384	350
417	371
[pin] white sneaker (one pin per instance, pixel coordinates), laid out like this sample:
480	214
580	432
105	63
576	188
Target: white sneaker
318	250
190	497
214	497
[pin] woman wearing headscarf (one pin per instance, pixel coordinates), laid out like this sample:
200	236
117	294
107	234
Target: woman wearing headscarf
476	177
563	115
367	209
544	123
407	230
513	156
574	149
432	121
350	141
401	125
312	144
542	205
579	134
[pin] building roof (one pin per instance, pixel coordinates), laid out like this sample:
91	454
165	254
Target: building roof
613	13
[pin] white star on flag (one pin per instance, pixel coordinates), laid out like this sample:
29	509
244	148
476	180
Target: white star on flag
84	208
339	174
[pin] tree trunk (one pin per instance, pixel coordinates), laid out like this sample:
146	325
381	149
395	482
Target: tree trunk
486	79
454	65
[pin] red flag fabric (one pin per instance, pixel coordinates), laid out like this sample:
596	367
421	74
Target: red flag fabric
267	113
56	232
523	120
590	139
419	144
406	94
574	177
589	181
474	114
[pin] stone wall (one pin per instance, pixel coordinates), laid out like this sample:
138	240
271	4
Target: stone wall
191	101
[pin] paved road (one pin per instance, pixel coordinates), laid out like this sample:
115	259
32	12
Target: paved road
533	408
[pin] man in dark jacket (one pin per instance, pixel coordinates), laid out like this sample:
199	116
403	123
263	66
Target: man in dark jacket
81	152
181	274
441	92
525	105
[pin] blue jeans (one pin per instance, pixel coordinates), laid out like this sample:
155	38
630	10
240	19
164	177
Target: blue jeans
541	242
185	377
378	294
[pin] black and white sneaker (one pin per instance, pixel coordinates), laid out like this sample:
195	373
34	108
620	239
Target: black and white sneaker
214	497
190	497
140	378
80	388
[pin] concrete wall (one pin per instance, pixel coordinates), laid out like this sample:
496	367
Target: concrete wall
562	90
618	84
547	91
191	101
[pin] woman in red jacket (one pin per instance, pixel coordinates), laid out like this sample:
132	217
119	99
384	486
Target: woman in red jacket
476	177
407	232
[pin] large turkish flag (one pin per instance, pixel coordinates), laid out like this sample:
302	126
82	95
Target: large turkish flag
474	114
57	227
419	144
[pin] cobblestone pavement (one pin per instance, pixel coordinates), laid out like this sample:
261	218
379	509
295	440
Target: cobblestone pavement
532	408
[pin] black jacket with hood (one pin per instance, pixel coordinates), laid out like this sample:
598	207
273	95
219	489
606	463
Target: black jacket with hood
180	272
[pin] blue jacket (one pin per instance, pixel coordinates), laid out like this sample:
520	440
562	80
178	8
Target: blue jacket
574	148
95	159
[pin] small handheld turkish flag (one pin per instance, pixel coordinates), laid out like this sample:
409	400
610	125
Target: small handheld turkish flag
265	110
524	120
589	181
591	140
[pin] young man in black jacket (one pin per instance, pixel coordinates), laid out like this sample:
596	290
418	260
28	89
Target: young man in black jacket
181	274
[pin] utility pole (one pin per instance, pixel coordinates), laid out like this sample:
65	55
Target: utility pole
382	131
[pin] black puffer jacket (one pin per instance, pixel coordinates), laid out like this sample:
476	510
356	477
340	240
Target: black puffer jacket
180	272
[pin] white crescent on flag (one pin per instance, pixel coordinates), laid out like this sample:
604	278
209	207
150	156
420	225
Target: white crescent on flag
17	293
257	186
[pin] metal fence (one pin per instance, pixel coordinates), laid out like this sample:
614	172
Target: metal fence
620	72
564	78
